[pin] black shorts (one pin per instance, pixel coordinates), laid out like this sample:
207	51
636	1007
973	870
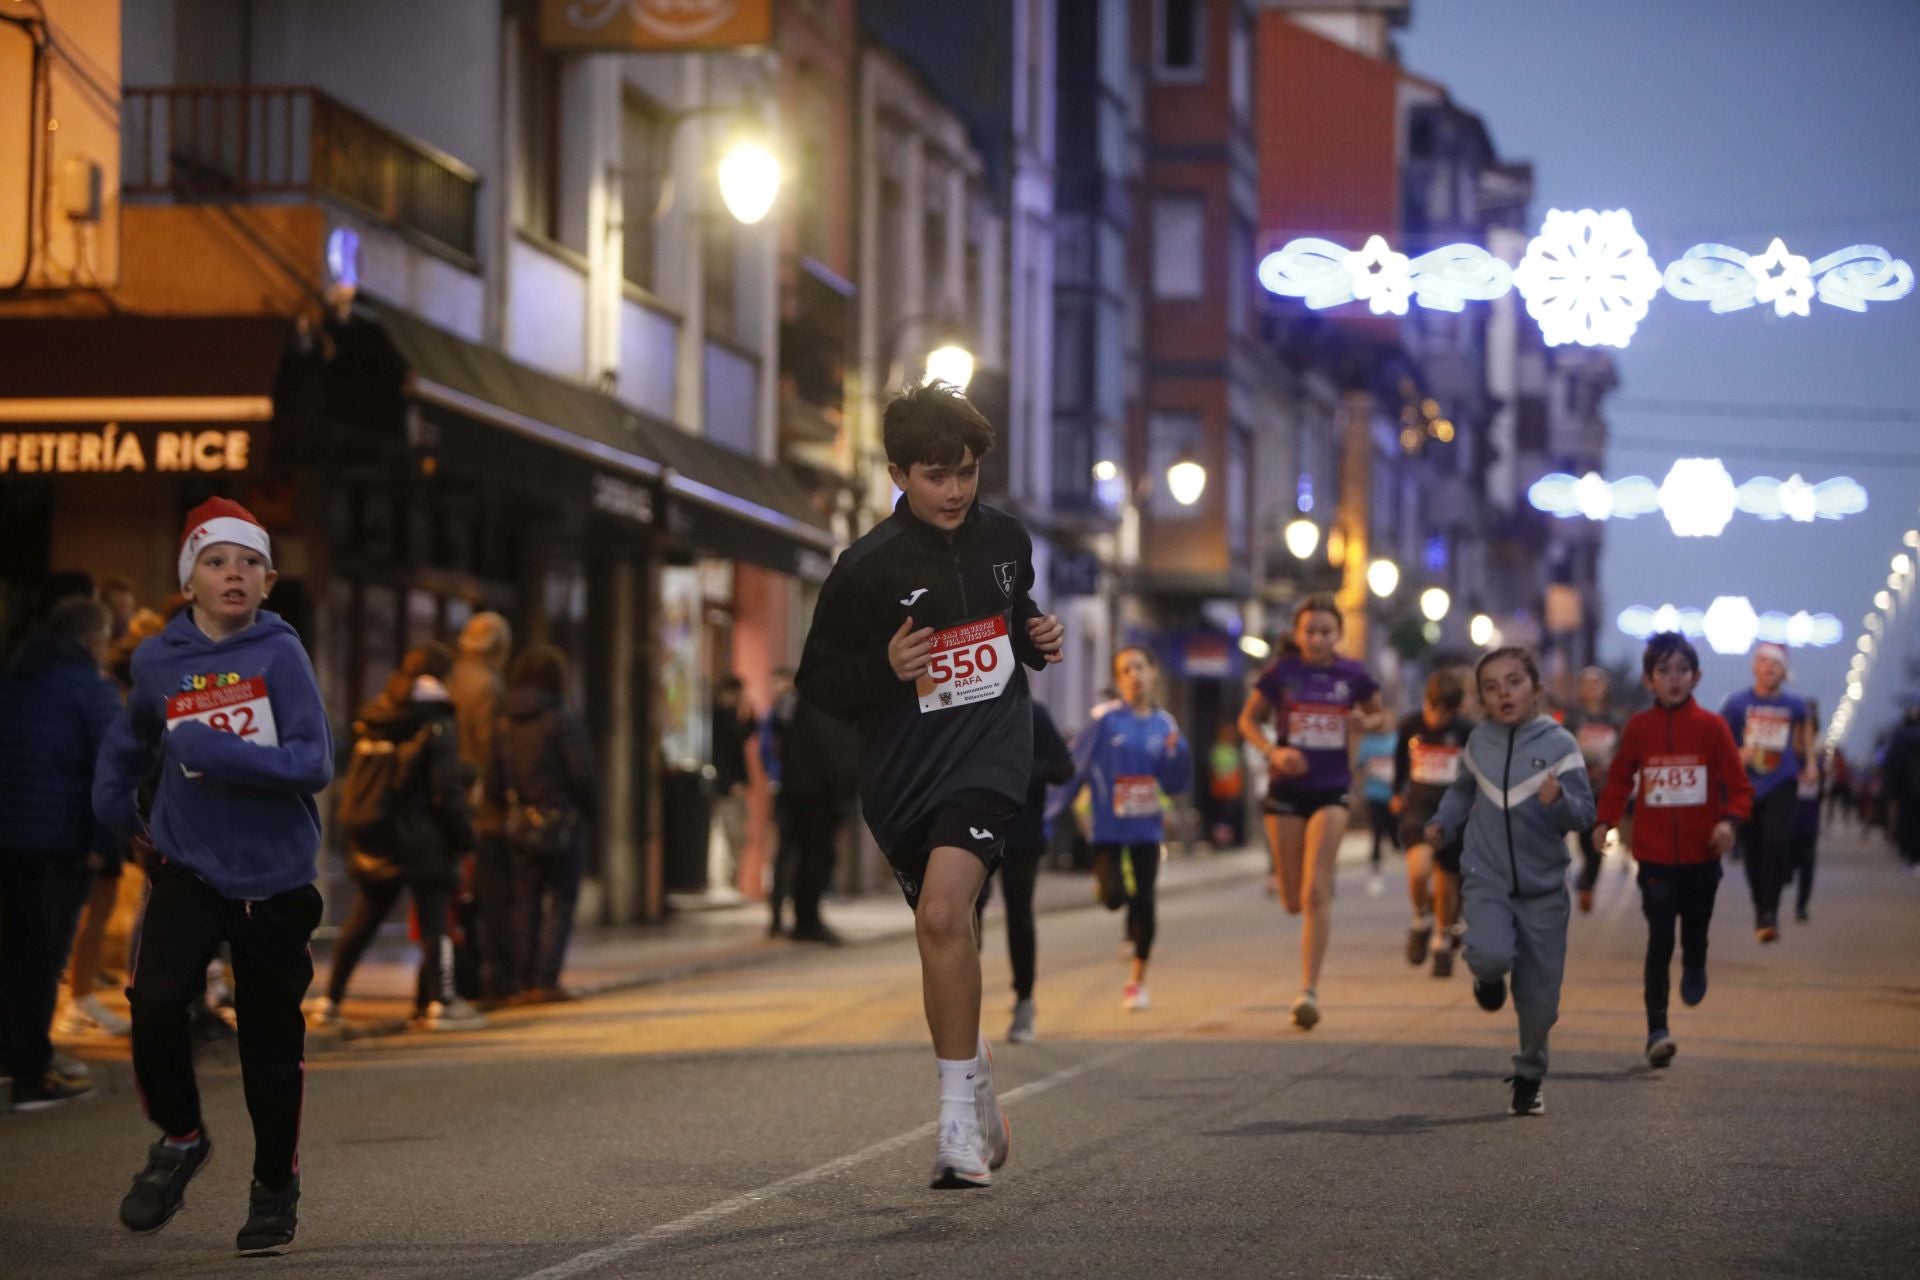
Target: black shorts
1300	802
976	821
1447	857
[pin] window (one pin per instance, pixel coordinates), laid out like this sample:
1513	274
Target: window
1178	39
1171	437
1240	66
933	263
1179	246
537	176
644	160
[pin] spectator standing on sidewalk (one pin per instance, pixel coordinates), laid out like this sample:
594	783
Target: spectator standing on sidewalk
819	777
478	688
542	778
55	708
117	594
732	728
409	826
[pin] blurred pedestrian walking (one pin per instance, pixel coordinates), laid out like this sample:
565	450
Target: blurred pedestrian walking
484	962
819	778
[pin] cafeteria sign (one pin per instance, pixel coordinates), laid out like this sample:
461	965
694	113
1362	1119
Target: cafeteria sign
654	25
112	449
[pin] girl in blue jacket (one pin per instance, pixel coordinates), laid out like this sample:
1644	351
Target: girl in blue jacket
1129	755
225	704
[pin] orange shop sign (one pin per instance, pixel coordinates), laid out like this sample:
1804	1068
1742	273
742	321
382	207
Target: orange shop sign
652	25
112	449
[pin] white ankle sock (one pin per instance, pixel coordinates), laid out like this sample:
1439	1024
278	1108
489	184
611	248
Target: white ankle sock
956	1087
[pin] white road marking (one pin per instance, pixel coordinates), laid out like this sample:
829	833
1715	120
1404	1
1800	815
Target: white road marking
621	1250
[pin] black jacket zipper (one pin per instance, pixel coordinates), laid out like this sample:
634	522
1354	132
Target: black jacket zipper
959	576
1506	812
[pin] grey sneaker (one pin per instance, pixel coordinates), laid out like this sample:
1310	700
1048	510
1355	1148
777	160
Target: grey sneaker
996	1131
1020	1030
454	1015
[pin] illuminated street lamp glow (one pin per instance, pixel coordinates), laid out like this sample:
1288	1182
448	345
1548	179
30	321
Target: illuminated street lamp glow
1480	630
1434	603
1256	648
1383	576
1902	564
1105	470
749	179
1186	481
1882	599
1865	643
1913	538
1302	537
951	364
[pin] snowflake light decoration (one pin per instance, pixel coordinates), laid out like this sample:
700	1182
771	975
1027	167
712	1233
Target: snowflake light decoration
1587	278
1381	277
1698	497
1799	630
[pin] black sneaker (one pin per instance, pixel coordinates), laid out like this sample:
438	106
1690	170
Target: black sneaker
271	1218
53	1089
161	1188
1526	1097
819	933
1491	993
1419	937
1443	962
1693	985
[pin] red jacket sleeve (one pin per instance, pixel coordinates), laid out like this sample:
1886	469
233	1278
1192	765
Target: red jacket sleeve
1620	775
1733	772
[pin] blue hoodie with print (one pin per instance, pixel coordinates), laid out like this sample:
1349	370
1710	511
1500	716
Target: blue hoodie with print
242	739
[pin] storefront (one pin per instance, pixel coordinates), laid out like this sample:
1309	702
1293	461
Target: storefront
410	479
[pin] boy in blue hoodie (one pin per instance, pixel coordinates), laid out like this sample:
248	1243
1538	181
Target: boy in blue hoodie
1523	788
1131	753
225	703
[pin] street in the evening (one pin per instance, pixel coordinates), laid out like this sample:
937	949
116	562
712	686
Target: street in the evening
771	1120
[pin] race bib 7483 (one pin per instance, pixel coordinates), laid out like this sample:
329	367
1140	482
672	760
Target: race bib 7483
1674	782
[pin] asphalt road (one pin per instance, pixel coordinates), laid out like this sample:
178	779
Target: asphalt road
774	1121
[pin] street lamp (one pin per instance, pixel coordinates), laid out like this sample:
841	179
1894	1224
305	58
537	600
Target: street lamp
950	363
1480	630
1186	481
1302	536
1434	603
749	177
1383	576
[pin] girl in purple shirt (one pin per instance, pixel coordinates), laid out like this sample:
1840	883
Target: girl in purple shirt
1316	696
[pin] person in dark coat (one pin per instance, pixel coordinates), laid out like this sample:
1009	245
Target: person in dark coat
819	777
56	706
432	832
543	779
484	964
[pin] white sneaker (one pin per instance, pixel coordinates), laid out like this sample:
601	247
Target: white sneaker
453	1015
322	1014
995	1129
1020	1030
960	1157
103	1018
1134	999
1306	1011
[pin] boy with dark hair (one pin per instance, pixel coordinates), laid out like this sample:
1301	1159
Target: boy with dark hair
1693	793
923	635
1522	788
225	702
1426	761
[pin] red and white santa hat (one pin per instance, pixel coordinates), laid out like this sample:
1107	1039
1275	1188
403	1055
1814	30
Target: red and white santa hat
1772	649
220	520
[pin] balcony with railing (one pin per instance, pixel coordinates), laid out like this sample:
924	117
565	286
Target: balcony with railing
253	143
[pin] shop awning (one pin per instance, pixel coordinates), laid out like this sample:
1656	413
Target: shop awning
736	505
126	368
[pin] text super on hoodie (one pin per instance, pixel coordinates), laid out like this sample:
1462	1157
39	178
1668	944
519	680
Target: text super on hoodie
241	737
1516	845
968	724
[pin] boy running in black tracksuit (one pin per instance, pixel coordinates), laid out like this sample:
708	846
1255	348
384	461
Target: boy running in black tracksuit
920	636
225	702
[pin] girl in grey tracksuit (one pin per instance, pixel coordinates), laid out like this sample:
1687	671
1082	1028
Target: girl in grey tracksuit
1523	789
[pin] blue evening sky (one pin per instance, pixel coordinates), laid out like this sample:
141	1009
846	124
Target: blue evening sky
1730	120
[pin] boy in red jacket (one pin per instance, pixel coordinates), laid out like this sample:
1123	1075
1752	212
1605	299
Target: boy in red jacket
1693	793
